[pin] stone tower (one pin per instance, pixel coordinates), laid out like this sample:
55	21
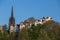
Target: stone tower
12	22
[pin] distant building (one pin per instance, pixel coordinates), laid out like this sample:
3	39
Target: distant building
5	28
27	24
1	28
17	28
43	20
38	22
12	28
22	25
48	18
12	22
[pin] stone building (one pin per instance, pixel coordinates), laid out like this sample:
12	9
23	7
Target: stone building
12	22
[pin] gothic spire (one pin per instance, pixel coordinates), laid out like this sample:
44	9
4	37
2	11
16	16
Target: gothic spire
12	12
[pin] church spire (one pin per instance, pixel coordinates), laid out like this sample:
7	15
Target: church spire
12	12
12	21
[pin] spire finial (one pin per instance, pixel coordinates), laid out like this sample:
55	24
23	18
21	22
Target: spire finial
12	2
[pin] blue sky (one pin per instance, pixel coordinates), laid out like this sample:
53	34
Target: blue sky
24	9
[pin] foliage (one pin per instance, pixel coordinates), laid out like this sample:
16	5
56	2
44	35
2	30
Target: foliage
30	20
3	35
48	31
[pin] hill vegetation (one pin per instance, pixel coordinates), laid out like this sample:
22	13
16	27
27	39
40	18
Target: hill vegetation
48	31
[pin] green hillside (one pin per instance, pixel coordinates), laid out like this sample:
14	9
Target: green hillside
48	31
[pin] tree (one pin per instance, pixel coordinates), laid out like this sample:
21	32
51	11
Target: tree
30	20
